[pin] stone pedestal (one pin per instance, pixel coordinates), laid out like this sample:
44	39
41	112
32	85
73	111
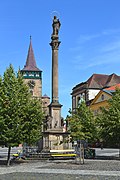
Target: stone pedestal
55	140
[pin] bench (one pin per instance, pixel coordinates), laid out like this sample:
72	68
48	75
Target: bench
63	154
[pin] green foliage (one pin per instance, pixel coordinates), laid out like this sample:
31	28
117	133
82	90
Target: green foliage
82	124
109	121
17	109
32	126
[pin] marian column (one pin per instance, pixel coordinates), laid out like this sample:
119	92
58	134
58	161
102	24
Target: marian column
54	136
55	45
55	107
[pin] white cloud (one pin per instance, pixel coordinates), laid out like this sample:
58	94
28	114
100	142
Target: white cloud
86	37
103	59
112	46
104	48
110	31
83	38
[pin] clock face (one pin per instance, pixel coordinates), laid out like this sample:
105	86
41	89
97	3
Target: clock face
31	84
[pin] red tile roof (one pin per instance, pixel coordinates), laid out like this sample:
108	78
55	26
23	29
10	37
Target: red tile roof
112	80
102	80
99	81
113	87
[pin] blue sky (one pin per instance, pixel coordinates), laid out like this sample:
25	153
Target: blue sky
89	35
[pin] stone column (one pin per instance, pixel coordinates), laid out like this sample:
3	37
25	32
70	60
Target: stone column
55	106
55	45
54	132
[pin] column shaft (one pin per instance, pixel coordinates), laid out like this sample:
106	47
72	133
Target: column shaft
55	75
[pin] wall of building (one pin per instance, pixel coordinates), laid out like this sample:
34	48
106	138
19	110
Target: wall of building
92	93
96	107
37	90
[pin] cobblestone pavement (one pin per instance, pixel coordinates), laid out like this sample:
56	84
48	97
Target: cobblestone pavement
62	170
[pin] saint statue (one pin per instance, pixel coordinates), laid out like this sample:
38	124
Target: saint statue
56	25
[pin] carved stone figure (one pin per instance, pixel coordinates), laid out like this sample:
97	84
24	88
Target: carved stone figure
48	122
56	26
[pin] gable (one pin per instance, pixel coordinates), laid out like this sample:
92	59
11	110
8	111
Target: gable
103	97
100	97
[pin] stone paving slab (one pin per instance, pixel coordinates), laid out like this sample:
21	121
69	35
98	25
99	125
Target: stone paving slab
94	169
38	176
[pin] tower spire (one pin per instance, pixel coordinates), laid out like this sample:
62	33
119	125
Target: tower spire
30	61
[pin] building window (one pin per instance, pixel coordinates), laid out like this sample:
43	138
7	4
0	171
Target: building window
102	97
78	100
73	103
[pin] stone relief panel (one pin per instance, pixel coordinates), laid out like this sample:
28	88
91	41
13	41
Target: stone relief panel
56	118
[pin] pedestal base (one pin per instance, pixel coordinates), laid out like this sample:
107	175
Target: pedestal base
55	140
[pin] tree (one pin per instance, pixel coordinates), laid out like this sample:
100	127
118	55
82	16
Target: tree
15	107
32	125
82	124
109	121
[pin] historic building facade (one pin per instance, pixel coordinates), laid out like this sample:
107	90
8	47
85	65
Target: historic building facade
101	99
89	89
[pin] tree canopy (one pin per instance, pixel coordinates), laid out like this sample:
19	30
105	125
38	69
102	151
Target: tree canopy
32	126
20	115
82	123
109	121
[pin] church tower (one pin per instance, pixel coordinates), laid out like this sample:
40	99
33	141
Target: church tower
32	74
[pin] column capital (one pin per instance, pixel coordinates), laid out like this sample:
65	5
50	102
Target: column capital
55	45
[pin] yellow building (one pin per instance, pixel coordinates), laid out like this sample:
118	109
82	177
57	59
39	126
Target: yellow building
101	99
89	89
